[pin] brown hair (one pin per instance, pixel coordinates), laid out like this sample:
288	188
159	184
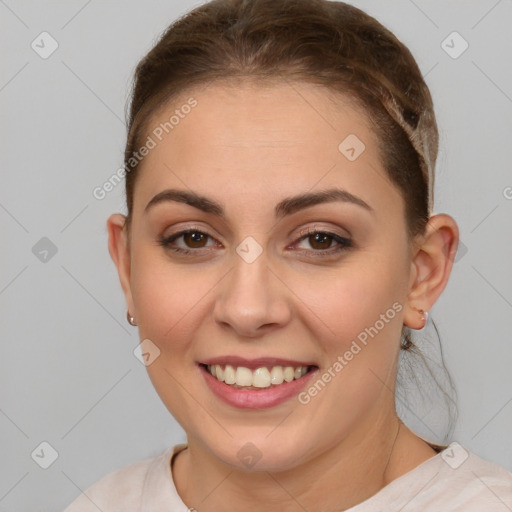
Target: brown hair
317	41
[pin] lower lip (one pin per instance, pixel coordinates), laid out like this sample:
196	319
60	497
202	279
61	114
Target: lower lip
256	398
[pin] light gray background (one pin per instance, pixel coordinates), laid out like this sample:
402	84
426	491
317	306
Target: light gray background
68	373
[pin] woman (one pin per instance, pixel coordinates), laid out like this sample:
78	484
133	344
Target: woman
279	246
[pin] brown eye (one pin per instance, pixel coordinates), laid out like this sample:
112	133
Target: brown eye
188	241
320	240
323	243
194	239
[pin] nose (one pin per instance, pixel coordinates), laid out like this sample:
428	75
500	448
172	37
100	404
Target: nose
252	300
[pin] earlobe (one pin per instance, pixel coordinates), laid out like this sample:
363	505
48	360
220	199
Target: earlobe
120	253
430	268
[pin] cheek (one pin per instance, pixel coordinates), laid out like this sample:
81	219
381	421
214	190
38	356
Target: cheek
170	300
366	291
362	309
167	297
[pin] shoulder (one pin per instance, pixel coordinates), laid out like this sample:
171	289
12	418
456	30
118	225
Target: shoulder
455	480
463	481
118	491
487	478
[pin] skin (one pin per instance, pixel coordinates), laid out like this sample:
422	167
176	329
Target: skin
248	147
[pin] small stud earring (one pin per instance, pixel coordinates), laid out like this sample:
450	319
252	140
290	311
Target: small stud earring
424	317
130	318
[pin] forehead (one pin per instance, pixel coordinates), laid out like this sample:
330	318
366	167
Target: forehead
257	137
255	112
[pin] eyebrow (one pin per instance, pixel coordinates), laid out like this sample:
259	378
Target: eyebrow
285	207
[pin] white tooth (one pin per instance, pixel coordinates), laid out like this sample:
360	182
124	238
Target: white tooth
243	376
219	372
229	375
276	375
288	374
261	378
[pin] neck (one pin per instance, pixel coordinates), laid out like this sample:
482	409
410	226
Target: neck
340	477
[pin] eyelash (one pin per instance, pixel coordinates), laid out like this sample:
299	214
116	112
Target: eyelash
344	244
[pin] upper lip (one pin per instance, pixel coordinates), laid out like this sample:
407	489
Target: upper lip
255	363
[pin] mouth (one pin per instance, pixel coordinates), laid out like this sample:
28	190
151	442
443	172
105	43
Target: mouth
258	376
256	386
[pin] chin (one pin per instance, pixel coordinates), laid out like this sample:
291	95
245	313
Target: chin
259	454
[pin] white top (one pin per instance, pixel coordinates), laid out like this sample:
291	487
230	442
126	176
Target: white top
453	480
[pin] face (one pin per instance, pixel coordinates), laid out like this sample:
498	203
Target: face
321	281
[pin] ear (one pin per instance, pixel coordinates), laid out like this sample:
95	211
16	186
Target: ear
431	266
118	247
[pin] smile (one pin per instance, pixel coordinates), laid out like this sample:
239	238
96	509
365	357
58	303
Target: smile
260	388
